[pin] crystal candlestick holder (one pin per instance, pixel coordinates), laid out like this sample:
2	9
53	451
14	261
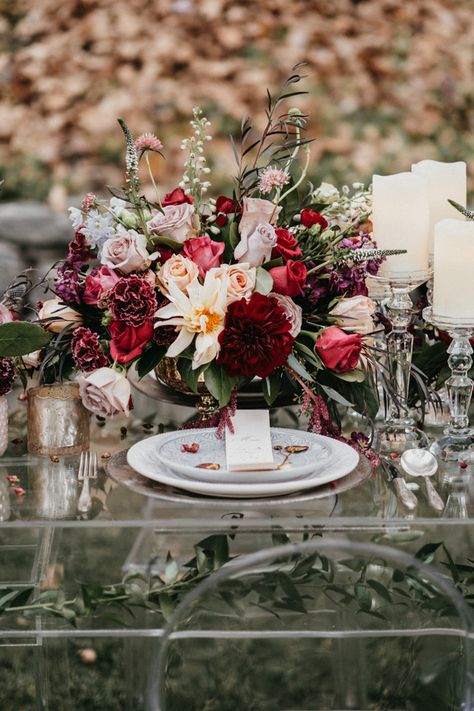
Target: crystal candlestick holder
458	436
399	431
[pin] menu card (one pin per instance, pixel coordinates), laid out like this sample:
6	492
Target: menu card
249	447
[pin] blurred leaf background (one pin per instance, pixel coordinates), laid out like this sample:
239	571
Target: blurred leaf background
390	83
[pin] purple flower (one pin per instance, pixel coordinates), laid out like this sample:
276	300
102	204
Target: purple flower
7	375
67	283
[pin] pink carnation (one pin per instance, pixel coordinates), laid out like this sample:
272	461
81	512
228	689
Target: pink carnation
148	141
272	178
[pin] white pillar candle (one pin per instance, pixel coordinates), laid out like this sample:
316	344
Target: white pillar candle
445	180
400	217
453	265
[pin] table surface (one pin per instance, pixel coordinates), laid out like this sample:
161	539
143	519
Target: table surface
52	490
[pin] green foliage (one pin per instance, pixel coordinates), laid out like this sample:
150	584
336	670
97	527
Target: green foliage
150	359
18	338
218	383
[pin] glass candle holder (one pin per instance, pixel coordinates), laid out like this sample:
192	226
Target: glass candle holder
458	435
399	431
58	422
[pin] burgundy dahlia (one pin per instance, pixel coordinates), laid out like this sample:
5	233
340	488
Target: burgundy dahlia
256	337
132	300
7	375
86	350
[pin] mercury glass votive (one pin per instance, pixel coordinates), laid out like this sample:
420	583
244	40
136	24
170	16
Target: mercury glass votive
58	422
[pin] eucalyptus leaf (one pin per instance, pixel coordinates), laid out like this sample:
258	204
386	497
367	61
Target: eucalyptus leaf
272	386
263	282
334	395
19	338
166	241
299	369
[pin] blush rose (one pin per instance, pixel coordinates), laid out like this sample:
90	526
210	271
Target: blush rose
176	222
127	252
204	252
105	392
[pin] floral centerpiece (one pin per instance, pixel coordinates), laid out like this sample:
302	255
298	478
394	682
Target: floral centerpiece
268	282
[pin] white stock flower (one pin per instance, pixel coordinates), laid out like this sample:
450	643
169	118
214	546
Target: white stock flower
76	217
200	313
326	193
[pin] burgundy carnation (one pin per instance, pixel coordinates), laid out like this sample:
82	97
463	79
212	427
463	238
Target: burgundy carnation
256	337
132	300
86	350
7	375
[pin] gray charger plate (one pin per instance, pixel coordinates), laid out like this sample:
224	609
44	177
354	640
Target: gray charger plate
120	471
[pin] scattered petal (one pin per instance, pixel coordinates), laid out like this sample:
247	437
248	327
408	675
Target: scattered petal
105	455
19	491
12	479
54	458
209	465
191	448
296	448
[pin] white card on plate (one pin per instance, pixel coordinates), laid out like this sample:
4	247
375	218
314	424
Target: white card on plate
249	447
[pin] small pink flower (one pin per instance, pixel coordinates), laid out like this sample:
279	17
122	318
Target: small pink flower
272	178
148	142
89	200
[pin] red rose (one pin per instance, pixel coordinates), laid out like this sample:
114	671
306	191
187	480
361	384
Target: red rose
224	206
289	279
204	252
127	341
176	197
311	217
338	350
286	246
132	300
256	337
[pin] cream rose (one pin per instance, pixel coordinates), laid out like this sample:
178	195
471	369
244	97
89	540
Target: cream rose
57	316
355	314
241	280
257	248
32	360
177	269
105	392
5	315
293	312
126	252
256	211
176	222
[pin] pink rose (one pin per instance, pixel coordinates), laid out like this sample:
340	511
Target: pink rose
204	252
126	252
289	279
105	392
5	315
98	283
240	280
257	248
176	222
355	314
293	312
57	316
127	341
339	351
254	212
177	269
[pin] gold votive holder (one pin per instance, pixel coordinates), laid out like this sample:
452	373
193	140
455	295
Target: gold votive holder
58	422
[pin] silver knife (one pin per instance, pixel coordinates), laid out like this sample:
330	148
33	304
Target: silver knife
407	497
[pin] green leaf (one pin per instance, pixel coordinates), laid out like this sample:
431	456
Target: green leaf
272	386
263	282
380	589
219	384
354	376
20	338
190	376
363	597
334	395
167	605
426	553
233	235
166	241
308	354
19	597
150	359
299	369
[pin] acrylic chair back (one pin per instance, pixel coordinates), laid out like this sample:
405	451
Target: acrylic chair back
326	624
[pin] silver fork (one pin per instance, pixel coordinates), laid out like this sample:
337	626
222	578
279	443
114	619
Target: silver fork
87	471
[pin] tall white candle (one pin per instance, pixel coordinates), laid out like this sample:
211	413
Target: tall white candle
445	180
400	217
453	270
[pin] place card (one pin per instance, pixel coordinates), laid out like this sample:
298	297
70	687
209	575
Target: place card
249	447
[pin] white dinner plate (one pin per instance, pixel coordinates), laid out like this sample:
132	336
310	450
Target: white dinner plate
143	458
169	449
